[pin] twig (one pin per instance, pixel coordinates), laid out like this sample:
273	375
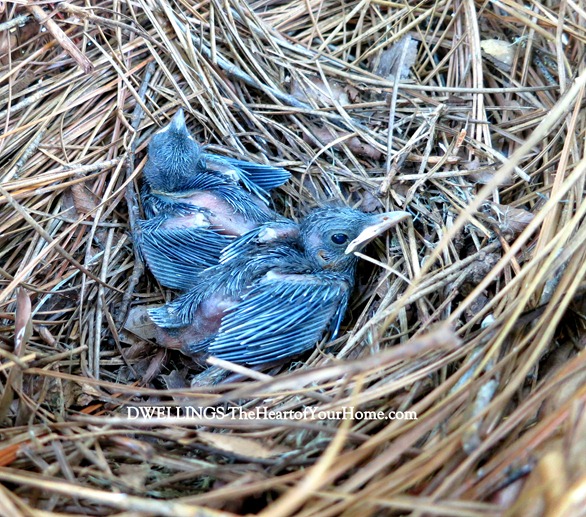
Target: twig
18	20
132	199
61	38
31	149
393	107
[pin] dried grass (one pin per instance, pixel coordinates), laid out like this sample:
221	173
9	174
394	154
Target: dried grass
488	157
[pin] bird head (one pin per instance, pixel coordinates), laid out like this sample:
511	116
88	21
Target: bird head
173	156
330	236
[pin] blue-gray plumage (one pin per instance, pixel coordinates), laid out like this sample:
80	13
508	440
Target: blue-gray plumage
274	295
196	203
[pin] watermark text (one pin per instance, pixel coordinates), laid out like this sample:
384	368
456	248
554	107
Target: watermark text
263	413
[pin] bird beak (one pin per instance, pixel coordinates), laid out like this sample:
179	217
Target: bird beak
177	123
379	224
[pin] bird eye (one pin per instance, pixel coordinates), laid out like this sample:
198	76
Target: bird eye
339	238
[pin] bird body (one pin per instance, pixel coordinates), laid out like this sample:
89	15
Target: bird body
275	291
196	203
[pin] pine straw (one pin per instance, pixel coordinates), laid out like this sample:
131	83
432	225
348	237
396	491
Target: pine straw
473	321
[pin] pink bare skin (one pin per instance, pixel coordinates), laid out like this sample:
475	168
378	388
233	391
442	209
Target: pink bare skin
207	321
222	215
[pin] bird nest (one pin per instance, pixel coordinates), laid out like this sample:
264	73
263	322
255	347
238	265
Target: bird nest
457	385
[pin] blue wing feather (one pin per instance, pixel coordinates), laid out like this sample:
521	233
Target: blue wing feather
180	312
176	255
256	178
267	177
282	230
281	317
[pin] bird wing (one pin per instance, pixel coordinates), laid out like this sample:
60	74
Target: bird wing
256	178
176	255
267	177
180	312
281	316
268	233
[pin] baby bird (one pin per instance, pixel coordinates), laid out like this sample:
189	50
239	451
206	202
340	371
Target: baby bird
196	203
278	294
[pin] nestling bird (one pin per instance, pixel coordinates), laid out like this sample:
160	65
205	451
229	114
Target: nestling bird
196	202
275	295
